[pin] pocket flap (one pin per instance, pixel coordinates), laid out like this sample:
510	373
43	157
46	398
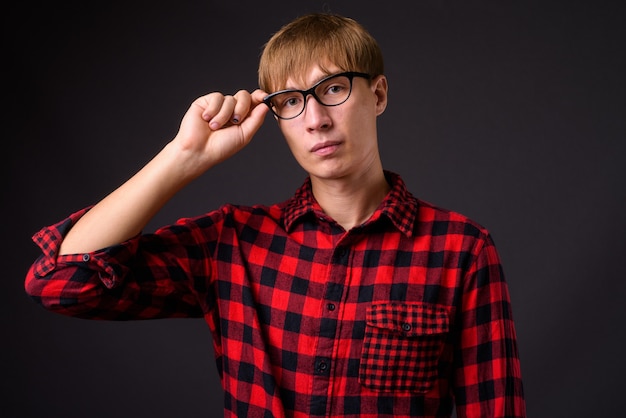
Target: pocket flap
408	319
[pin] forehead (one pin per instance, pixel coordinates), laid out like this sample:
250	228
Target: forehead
310	76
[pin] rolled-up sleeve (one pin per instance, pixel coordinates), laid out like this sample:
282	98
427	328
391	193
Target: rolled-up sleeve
126	281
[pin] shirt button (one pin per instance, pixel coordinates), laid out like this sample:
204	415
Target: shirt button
331	306
86	257
406	327
322	366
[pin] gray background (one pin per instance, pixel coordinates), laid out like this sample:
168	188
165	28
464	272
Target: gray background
511	112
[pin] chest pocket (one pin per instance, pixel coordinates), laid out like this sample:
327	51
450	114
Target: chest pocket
402	346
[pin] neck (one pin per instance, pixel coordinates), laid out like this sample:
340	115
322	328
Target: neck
351	201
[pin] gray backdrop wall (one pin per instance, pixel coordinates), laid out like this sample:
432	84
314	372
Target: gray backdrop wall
511	112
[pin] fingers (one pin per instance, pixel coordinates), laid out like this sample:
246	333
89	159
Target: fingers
242	106
217	109
225	110
258	95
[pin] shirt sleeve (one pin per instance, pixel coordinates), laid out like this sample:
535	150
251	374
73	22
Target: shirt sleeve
488	380
149	276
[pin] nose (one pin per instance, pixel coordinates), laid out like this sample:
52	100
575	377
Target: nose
316	115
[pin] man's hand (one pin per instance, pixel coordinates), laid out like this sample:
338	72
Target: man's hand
216	126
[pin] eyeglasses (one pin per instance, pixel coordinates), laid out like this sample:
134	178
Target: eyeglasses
330	91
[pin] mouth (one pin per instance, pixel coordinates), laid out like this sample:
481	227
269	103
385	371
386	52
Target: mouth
325	148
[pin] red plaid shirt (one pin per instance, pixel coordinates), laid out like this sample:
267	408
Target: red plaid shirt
405	315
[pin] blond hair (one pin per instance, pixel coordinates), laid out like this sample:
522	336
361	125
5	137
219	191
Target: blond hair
317	39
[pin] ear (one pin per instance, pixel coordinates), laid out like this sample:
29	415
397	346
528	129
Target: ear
380	88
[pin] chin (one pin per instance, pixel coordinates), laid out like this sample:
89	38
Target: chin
330	174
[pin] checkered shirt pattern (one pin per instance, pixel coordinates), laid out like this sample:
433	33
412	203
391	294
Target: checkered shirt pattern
406	315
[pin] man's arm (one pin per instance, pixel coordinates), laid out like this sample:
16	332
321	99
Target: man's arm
488	381
214	128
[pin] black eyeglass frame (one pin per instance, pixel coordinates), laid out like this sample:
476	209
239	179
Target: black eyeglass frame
350	74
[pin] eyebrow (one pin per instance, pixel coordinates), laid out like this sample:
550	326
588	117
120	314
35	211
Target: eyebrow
323	76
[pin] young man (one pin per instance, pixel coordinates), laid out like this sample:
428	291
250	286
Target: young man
352	298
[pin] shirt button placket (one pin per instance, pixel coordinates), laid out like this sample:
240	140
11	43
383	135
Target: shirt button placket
322	367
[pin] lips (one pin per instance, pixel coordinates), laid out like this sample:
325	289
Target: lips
325	147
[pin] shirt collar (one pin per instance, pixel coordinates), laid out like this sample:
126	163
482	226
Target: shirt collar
399	206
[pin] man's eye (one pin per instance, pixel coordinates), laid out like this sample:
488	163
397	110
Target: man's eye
335	89
290	101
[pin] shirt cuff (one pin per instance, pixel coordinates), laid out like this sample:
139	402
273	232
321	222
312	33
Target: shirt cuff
108	262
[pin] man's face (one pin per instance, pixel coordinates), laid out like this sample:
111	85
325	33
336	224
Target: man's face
338	141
